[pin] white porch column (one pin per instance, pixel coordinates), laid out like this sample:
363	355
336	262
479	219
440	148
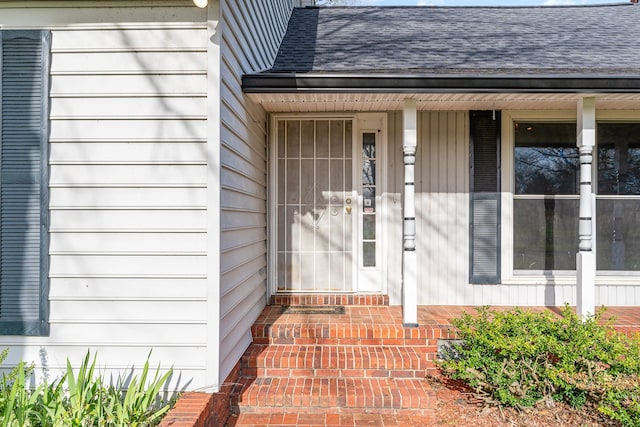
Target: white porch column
585	259
409	260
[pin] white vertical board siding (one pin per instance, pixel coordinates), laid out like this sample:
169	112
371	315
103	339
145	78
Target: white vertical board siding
128	178
251	35
393	198
442	205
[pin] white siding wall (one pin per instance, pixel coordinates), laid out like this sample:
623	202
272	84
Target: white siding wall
442	208
393	198
442	204
127	188
251	36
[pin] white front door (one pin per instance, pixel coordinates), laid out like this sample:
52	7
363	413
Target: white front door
326	195
315	199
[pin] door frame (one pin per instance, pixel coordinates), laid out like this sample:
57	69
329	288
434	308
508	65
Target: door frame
272	181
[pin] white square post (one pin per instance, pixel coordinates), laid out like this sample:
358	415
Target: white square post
409	259
585	259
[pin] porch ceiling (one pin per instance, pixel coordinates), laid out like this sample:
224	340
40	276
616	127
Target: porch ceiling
355	102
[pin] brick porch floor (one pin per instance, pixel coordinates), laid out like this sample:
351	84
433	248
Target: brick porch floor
358	368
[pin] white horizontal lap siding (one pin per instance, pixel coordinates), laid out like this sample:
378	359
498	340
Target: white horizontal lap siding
112	361
251	36
89	17
54	356
128	178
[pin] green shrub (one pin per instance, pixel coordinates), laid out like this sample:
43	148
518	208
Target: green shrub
81	399
518	358
623	405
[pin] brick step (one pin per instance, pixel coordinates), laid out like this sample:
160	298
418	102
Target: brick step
348	334
331	395
301	418
337	361
330	299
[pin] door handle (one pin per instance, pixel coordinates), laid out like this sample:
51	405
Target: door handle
348	209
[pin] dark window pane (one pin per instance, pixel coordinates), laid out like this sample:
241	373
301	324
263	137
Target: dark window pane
546	158
369	227
619	158
545	234
369	199
369	172
369	145
369	254
618	234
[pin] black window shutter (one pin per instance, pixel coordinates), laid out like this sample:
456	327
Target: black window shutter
24	91
484	190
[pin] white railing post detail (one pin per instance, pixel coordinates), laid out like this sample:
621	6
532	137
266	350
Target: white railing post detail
585	259
409	259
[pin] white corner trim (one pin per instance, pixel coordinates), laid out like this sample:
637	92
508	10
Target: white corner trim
212	372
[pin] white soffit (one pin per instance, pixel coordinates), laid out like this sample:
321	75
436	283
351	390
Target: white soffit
93	3
333	102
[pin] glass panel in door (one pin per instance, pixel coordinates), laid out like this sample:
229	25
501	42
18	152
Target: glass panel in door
315	211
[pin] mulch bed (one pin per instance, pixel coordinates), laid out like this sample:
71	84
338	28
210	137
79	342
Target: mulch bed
458	407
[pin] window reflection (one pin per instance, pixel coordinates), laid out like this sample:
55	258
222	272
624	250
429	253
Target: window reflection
369	172
546	165
368	199
618	234
369	145
617	211
545	234
546	158
619	158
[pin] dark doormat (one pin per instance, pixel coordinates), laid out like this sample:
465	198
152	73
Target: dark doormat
312	309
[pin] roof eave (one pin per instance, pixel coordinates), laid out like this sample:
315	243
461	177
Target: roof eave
416	83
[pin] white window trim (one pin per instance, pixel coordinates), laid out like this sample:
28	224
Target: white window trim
509	276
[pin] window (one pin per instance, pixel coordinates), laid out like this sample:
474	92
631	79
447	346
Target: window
545	199
618	200
369	199
540	202
24	64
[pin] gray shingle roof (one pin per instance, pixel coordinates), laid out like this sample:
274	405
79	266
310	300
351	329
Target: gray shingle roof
585	40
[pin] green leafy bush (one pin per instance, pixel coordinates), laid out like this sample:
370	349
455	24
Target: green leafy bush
519	358
81	399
